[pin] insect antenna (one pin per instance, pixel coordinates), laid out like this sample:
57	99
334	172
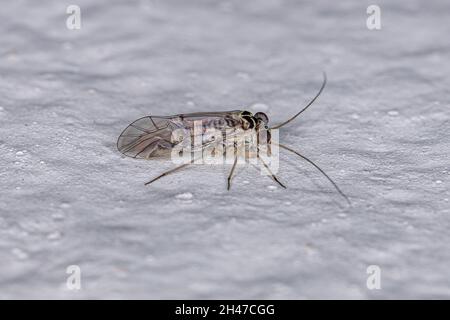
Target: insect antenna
307	106
317	167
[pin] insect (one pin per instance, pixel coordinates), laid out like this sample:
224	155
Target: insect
153	136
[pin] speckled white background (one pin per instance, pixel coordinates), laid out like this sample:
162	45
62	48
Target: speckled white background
381	130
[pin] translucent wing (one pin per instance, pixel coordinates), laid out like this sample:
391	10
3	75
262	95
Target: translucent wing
151	136
146	137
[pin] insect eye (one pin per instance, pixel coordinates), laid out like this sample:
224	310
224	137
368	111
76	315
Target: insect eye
262	117
249	122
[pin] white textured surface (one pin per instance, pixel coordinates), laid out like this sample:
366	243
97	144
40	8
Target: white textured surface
381	130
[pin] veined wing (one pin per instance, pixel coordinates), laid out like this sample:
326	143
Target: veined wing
151	136
146	137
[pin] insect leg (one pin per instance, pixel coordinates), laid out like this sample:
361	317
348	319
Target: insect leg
271	173
231	172
170	171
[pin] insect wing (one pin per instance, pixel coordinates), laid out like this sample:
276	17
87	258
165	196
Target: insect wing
146	137
151	136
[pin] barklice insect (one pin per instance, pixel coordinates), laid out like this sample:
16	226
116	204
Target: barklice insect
159	136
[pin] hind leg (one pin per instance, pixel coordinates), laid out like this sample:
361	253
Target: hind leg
169	172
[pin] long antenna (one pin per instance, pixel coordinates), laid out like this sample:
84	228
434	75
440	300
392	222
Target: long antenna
307	106
317	167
